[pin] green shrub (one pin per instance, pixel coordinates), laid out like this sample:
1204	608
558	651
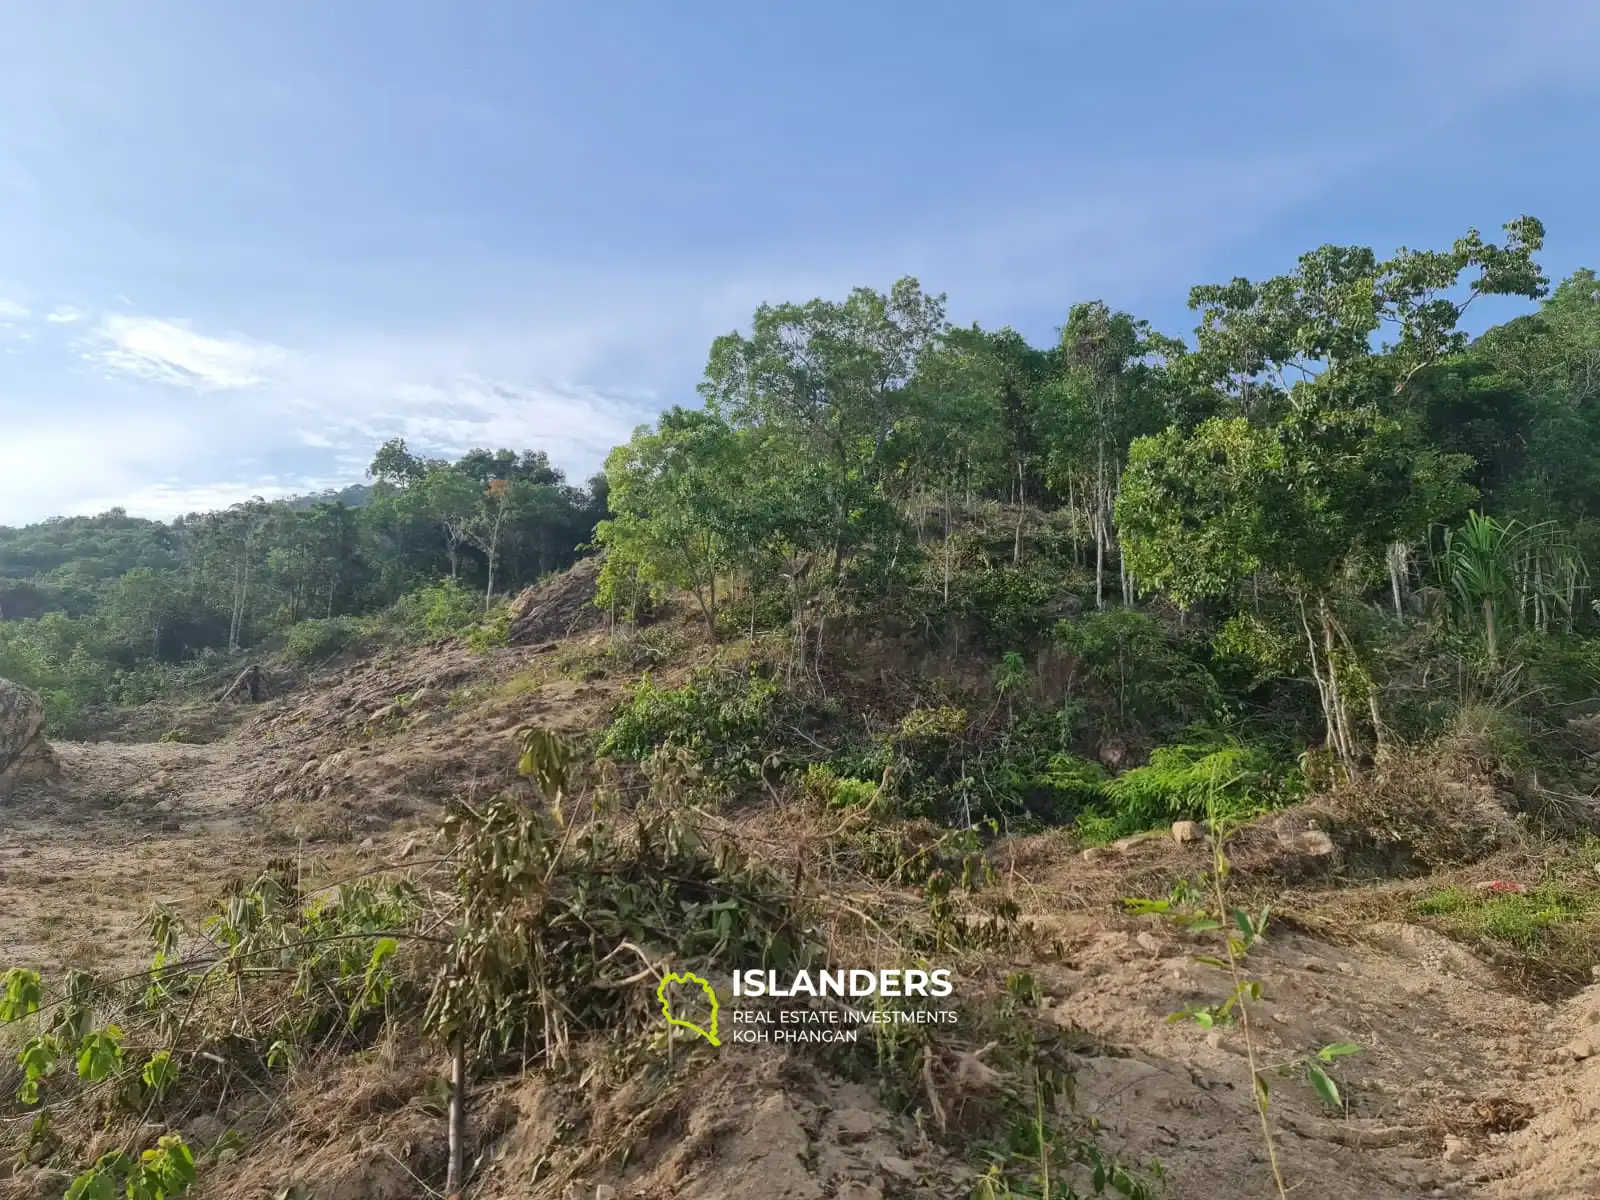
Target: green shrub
1188	783
492	631
1076	783
1553	927
1012	606
1140	678
437	610
724	720
317	640
822	783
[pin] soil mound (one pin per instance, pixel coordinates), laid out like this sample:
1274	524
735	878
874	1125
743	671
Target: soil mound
24	754
558	607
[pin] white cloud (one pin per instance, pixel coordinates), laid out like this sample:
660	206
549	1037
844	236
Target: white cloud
13	309
65	314
170	352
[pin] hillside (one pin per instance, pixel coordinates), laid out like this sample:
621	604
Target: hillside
1472	1076
1220	723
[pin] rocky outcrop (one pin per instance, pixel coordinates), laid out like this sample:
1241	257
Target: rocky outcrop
24	754
559	607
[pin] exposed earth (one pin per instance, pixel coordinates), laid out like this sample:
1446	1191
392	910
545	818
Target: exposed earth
1467	1083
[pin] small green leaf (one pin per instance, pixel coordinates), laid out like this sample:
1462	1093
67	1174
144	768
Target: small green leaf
1338	1050
1324	1086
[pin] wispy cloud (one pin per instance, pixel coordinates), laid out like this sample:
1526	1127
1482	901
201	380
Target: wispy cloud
13	309
65	314
169	352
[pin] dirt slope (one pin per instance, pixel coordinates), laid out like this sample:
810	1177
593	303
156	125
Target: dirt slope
1463	1086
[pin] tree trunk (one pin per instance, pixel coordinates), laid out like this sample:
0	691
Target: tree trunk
1341	716
1397	562
1022	499
947	548
1100	528
1323	691
457	1132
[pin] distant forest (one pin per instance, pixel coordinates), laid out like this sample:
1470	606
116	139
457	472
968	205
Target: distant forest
92	608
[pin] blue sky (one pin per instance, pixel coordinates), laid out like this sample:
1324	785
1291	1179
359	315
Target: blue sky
242	245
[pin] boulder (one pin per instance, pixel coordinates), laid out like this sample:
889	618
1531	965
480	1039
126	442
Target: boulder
24	754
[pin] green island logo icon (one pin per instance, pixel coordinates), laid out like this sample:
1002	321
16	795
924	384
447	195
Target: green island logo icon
710	1034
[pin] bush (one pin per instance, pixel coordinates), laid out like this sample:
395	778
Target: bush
1188	783
1142	679
722	720
492	631
822	783
443	609
317	640
1012	606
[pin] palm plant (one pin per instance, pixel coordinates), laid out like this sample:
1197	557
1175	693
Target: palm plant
1500	576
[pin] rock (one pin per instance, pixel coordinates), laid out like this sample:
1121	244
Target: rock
366	844
1215	1040
1149	941
1456	1150
423	698
1093	853
310	766
1580	1049
1137	839
898	1167
854	1124
1113	753
44	1185
24	754
204	1130
1302	837
163	806
1186	831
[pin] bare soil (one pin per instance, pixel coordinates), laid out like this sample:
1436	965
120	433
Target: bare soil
1466	1083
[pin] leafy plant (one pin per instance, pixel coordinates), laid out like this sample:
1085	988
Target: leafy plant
1505	575
724	721
1186	782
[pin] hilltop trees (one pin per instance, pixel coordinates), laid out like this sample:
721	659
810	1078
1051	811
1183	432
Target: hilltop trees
1281	483
96	609
1323	468
1293	464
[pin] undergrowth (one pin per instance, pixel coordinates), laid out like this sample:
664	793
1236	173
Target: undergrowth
1184	783
1552	928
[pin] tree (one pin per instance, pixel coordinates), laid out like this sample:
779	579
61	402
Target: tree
1505	575
828	382
669	489
1323	470
449	499
483	529
1101	401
